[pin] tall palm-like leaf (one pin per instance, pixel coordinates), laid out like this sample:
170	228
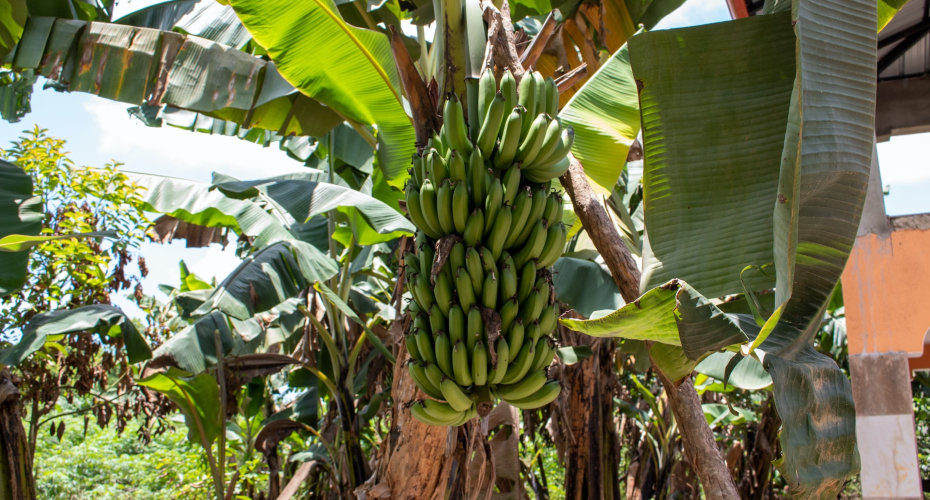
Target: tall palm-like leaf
730	134
349	69
605	116
20	214
100	318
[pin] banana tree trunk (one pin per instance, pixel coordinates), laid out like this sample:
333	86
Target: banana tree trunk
697	436
16	479
591	455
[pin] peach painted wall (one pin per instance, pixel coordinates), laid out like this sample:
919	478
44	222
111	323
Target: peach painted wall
886	290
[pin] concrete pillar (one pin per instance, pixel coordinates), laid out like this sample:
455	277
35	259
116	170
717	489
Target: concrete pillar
886	318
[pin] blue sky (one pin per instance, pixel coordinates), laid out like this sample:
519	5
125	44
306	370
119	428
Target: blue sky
99	131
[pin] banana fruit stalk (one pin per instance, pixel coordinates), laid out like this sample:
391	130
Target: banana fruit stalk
486	179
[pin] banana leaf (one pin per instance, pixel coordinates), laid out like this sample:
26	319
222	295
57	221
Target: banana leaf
104	319
748	373
356	76
143	65
20	214
605	116
12	20
268	278
585	286
198	398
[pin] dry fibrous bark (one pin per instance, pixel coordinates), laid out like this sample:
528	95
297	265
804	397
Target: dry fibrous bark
16	479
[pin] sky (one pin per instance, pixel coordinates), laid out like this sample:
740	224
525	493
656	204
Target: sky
99	131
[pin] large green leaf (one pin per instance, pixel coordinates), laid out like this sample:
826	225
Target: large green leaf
674	314
887	10
585	286
193	349
304	199
19	242
12	21
198	398
349	69
20	214
748	373
103	319
141	65
714	118
269	277
604	114
194	202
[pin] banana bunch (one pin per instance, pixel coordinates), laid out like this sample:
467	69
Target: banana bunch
452	358
484	185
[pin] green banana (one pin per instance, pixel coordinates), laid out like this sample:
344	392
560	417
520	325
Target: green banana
479	364
540	84
476	178
427	257
523	388
511	183
491	125
444	207
418	374
550	141
456	166
425	346
493	204
510	139
552	97
437	143
521	211
425	297
453	122
421	322
475	331
456	397
440	411
413	176
467	415
415	209
474	228
460	366
533	306
443	353
499	231
548	319
533	245
545	353
475	271
546	174
487	88
496	374
473	94
509	90
419	168
433	374
540	398
457	255
418	412
552	214
437	321
410	341
442	290
460	206
488	263
508	286
428	207
527	280
437	170
413	308
527	98
520	365
529	147
456	324
566	140
509	312
463	286
515	338
555	243
489	294
537	207
411	262
533	332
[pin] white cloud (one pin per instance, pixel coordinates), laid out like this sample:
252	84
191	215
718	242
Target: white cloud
216	263
180	153
905	159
